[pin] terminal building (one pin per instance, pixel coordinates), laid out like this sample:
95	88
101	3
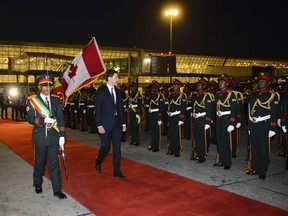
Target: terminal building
22	62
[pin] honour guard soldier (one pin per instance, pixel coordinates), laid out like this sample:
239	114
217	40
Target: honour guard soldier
239	116
187	91
176	112
165	92
83	109
135	106
156	103
91	123
263	107
146	97
202	111
123	89
226	108
45	112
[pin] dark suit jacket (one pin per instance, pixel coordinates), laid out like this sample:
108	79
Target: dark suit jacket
105	109
35	118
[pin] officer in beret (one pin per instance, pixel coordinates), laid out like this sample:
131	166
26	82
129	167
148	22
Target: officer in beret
176	112
156	104
123	89
263	108
239	116
45	112
226	109
202	110
135	111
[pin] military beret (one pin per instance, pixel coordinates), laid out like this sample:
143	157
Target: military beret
133	84
177	82
155	83
234	83
123	86
43	79
204	81
266	76
226	78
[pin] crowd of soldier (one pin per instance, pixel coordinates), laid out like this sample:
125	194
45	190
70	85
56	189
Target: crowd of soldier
17	103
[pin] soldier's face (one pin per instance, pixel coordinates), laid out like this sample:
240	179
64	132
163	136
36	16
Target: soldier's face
263	84
222	84
45	89
200	86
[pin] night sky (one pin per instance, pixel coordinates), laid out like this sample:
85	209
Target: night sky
240	28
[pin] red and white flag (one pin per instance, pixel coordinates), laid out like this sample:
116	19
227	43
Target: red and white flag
83	70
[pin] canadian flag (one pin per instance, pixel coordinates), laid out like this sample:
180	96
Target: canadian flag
83	70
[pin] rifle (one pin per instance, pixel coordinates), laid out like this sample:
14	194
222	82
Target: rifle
64	163
286	161
168	149
249	163
193	153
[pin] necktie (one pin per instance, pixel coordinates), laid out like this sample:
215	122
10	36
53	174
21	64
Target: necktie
112	94
47	102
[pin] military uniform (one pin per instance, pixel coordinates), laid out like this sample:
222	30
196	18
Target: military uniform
123	89
226	108
91	120
83	110
176	116
46	137
263	107
156	103
188	121
202	111
135	106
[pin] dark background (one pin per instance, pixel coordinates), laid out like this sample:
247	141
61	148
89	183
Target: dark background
205	27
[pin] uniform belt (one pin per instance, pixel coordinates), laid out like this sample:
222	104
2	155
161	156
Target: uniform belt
146	105
81	104
134	105
189	108
90	106
153	110
72	103
173	113
259	119
197	115
222	113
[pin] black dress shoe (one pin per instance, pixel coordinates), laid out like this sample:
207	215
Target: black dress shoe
60	195
218	164
227	167
201	160
120	175
38	189
177	155
262	177
252	172
155	150
97	166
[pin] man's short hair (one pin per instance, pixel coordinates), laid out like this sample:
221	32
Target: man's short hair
110	73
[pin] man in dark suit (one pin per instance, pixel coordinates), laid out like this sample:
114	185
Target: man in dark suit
110	121
45	112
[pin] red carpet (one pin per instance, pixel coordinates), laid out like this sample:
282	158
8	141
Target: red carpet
146	191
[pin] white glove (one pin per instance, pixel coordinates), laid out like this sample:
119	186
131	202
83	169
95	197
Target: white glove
238	125
159	122
249	132
230	128
271	133
180	122
49	120
137	116
279	122
84	111
284	129
62	142
207	126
